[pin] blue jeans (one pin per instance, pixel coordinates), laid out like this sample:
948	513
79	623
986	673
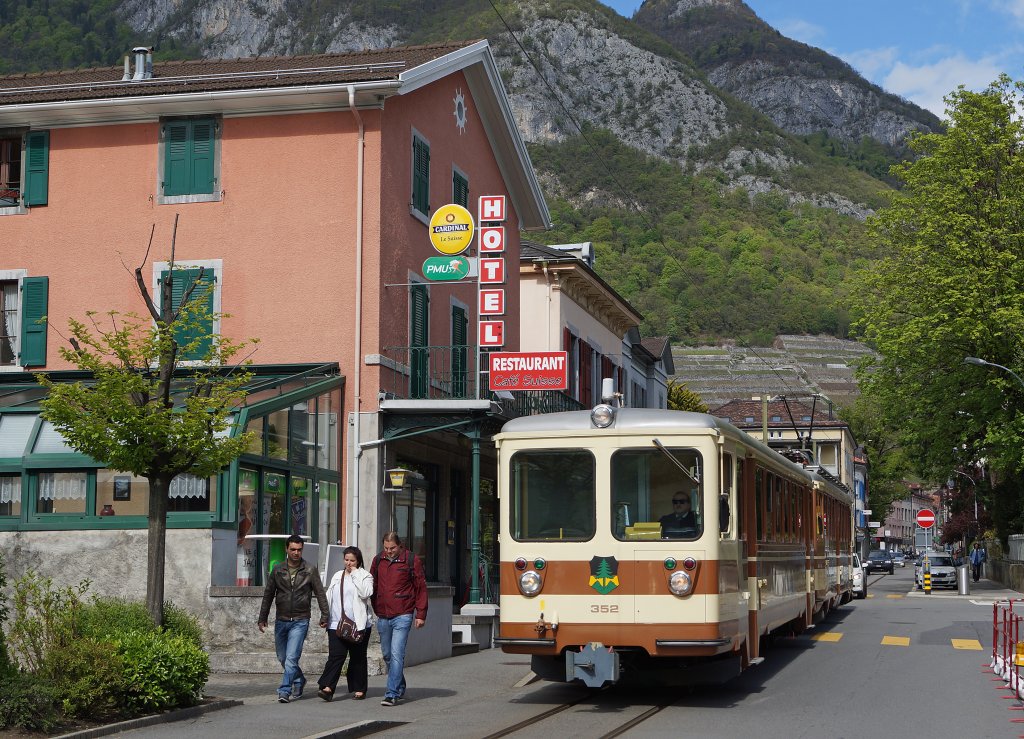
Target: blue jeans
394	633
289	637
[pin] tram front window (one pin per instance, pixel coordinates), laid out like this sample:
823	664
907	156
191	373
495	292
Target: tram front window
657	494
553	496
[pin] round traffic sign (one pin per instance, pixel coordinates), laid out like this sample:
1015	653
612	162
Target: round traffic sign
925	518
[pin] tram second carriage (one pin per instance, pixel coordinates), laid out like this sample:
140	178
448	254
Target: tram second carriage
602	574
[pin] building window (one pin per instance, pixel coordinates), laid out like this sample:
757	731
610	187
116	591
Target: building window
420	176
419	350
460	189
62	492
199	340
23	304
10	495
190	160
460	352
24	168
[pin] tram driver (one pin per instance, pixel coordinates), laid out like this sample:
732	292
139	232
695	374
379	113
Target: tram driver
682	521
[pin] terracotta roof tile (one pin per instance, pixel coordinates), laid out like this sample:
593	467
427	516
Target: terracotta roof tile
208	75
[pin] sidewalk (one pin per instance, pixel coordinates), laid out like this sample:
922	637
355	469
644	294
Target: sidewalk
987	591
480	688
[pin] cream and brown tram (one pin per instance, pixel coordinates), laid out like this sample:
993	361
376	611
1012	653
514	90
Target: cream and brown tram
603	575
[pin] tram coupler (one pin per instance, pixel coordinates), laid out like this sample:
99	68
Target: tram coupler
594	665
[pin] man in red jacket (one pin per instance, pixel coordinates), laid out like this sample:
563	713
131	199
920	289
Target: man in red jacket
399	594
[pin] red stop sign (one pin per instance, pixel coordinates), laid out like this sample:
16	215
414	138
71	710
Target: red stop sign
925	518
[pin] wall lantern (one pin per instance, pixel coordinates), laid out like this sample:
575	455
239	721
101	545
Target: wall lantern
396	477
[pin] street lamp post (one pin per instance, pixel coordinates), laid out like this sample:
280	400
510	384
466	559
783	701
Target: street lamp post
984	363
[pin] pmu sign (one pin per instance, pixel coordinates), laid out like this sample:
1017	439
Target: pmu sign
925	518
529	371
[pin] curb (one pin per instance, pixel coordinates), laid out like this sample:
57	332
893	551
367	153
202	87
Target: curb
180	714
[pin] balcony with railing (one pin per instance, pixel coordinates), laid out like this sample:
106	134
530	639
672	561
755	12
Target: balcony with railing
449	373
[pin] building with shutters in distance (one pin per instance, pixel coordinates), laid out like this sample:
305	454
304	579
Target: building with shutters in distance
302	189
567	306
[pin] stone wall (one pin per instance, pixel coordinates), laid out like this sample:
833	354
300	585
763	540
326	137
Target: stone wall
114	561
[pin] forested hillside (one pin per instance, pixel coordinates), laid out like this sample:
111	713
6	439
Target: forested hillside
709	217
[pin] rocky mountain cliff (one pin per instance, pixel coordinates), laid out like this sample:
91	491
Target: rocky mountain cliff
570	63
802	89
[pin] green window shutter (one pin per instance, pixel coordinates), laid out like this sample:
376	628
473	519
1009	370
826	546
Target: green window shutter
34	297
421	175
202	157
182	279
177	156
37	167
419	353
460	352
460	190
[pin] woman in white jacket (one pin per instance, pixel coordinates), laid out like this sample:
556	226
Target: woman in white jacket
350	589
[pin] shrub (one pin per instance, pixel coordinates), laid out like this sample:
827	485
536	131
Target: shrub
179	621
29	703
161	670
106	616
91	679
6	667
44	618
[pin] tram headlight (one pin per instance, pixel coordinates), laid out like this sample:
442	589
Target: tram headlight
602	416
680	583
529	583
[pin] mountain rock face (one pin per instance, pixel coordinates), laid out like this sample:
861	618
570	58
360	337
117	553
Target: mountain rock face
584	65
801	88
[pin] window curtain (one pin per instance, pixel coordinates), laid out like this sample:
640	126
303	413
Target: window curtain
61	486
188	486
10	489
9	309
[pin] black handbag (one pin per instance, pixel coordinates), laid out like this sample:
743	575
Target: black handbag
347	630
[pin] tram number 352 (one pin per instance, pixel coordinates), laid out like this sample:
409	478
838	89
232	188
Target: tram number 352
603	609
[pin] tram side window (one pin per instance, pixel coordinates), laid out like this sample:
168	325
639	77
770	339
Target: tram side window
553	495
652	498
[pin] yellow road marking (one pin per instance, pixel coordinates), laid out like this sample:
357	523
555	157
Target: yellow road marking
896	641
893	596
828	636
966	644
871	595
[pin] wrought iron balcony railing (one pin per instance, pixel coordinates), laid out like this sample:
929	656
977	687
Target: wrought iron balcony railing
449	372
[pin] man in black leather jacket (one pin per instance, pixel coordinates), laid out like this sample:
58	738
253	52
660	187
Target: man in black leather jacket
292	584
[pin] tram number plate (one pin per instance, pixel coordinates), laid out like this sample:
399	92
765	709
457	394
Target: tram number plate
603	608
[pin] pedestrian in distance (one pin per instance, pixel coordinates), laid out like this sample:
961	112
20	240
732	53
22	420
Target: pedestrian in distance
400	602
291	586
978	557
349	593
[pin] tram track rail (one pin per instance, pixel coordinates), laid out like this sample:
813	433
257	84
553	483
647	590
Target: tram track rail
541	717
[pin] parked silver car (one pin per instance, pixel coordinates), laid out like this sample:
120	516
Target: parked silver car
941	567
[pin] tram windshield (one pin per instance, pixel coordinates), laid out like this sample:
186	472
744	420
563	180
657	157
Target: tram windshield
657	494
553	495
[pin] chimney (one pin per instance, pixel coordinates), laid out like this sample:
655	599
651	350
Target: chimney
127	68
143	63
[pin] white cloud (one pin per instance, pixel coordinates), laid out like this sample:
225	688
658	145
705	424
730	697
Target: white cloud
800	30
872	63
1014	8
926	84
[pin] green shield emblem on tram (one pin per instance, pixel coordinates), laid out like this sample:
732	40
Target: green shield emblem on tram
604	574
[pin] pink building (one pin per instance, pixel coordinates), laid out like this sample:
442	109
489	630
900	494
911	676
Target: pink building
303	186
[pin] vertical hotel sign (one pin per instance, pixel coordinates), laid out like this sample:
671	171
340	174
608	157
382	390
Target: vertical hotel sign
491	214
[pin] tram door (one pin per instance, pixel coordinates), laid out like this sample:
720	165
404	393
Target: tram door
731	557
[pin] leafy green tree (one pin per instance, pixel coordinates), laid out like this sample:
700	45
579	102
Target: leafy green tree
142	412
951	285
682	398
879	434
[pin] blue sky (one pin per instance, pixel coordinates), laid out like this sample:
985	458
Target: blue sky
918	49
